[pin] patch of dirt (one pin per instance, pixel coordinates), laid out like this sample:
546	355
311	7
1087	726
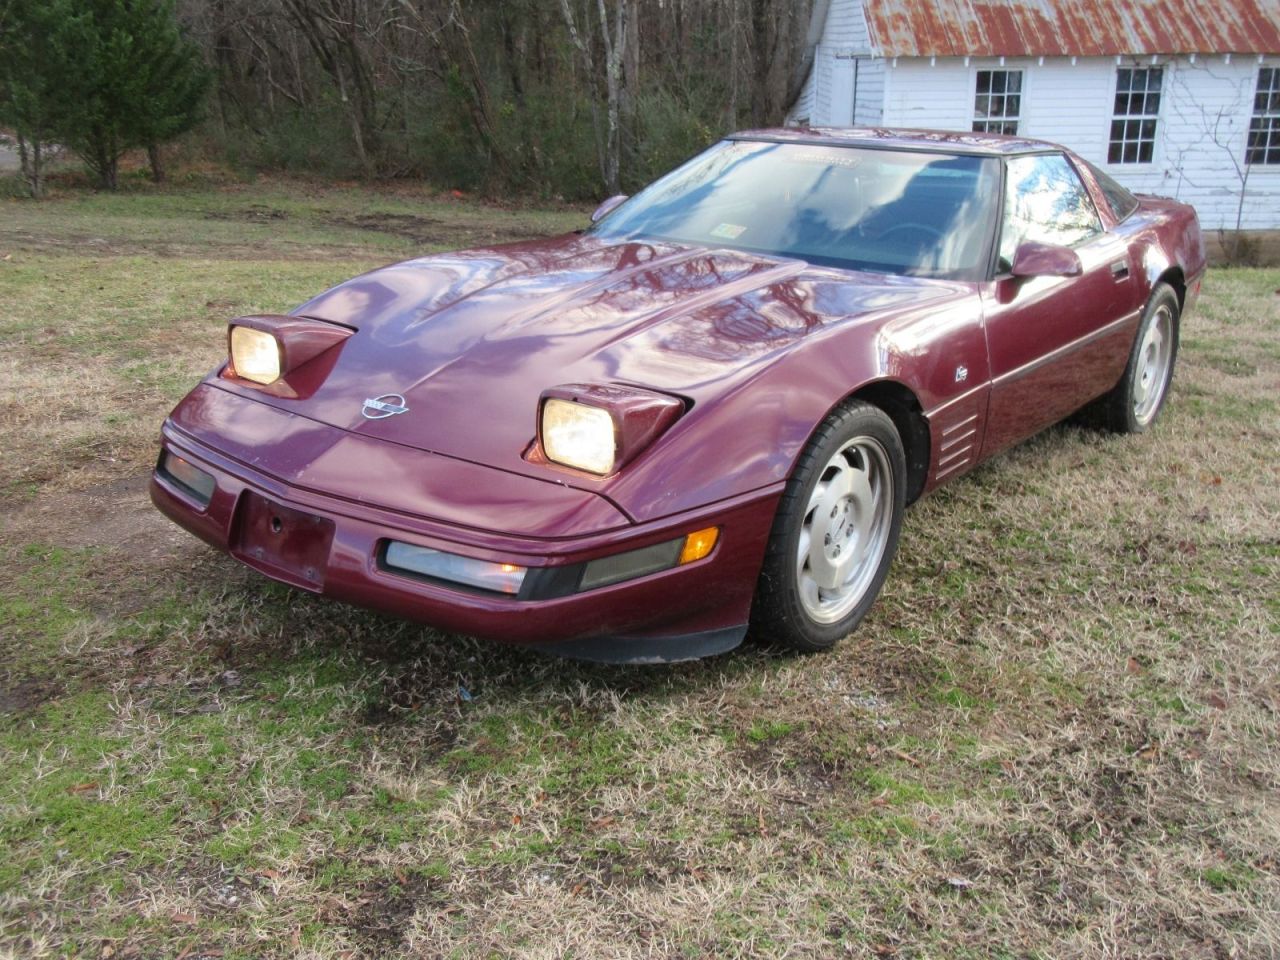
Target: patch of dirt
254	213
382	912
26	695
85	245
116	515
429	230
137	549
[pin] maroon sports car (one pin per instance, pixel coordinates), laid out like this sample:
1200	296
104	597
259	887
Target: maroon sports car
704	413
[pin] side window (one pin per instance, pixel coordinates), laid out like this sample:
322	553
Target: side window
1046	202
1121	200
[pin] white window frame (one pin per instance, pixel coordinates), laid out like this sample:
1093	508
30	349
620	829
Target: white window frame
982	124
1269	111
1137	119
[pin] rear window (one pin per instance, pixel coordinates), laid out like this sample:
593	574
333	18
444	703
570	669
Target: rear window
1121	201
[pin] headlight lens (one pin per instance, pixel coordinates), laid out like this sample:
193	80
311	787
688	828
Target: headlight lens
578	435
255	355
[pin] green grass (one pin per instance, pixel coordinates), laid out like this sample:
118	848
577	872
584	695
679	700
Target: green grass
1064	701
286	219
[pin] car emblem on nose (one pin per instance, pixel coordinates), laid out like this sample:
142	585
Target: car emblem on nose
387	405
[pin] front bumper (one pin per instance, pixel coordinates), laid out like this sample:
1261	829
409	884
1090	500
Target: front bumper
683	612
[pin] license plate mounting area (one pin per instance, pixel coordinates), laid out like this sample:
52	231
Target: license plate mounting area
284	543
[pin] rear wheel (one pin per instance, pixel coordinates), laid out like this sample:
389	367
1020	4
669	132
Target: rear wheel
1134	403
836	531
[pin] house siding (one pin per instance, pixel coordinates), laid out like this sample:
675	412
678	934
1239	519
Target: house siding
1200	137
846	86
1206	105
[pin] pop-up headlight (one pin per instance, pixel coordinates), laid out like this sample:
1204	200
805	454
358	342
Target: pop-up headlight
579	436
255	355
599	427
265	349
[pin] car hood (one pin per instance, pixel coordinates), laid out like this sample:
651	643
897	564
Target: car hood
472	339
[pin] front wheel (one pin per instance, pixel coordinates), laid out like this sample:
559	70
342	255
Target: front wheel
835	532
1135	402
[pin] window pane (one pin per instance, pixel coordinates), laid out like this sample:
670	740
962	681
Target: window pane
996	96
1045	201
1264	128
1138	97
1121	201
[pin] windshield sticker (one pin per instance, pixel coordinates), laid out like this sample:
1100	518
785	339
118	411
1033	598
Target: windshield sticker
824	158
729	231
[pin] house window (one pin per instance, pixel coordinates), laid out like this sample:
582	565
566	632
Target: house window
1133	127
998	101
1264	128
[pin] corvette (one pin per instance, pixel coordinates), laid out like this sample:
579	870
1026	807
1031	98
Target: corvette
703	414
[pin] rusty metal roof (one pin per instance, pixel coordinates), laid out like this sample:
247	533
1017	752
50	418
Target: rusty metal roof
1085	28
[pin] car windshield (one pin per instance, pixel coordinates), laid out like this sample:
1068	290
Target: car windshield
887	211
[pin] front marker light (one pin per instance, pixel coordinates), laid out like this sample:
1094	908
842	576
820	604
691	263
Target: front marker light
630	565
653	559
578	435
188	476
698	544
255	355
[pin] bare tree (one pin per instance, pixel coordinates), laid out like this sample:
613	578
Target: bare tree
565	97
339	33
1218	127
608	142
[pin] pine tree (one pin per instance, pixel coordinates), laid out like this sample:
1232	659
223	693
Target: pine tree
38	42
136	82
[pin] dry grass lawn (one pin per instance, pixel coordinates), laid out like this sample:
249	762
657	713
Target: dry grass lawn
1056	735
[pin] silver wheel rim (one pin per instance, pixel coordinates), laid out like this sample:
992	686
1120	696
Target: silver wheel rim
1151	376
844	530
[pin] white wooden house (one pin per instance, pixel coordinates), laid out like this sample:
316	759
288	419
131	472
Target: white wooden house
1175	97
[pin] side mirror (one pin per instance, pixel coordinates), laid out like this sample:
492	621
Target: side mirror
1034	259
607	207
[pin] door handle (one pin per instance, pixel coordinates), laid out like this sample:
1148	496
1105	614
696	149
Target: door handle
1120	270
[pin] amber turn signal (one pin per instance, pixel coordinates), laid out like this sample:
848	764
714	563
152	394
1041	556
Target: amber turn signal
698	544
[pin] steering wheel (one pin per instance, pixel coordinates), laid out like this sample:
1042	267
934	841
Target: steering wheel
933	232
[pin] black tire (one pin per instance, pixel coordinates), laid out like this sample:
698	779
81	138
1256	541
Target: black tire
789	606
1132	406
